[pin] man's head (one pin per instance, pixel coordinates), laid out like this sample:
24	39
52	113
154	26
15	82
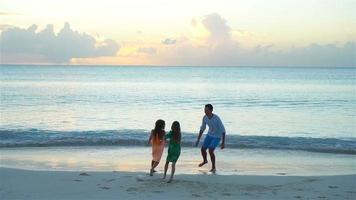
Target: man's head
208	109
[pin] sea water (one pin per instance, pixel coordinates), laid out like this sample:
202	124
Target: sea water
275	108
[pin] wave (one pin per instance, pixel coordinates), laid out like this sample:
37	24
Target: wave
45	138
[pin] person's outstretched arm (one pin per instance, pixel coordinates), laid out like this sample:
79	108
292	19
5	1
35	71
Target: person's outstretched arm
199	136
223	140
222	128
201	131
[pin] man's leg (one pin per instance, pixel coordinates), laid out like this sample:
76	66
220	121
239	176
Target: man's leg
212	157
203	153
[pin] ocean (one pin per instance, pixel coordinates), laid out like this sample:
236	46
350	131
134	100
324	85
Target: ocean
278	108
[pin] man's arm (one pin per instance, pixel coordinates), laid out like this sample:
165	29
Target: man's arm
223	140
201	131
199	136
222	128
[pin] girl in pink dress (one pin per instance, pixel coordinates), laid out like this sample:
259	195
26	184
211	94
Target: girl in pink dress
158	142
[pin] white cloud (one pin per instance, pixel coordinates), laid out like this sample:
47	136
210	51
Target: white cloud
5	27
169	41
218	30
61	47
216	46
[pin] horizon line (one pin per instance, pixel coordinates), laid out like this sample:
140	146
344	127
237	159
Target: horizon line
145	65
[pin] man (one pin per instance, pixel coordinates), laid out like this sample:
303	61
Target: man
212	139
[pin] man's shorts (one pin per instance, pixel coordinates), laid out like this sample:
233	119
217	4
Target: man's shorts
210	142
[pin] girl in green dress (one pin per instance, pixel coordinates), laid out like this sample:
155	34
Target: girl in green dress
174	137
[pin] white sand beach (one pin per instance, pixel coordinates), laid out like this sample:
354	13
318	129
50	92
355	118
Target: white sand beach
122	173
26	184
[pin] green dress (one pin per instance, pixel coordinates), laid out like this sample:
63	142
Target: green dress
173	149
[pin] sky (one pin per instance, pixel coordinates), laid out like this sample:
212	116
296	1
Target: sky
194	33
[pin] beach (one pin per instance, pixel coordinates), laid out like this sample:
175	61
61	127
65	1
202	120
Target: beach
24	184
122	173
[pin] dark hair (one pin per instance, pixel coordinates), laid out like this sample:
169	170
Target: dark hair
176	131
209	106
159	126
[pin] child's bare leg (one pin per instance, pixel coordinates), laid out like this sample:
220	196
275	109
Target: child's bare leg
155	164
151	171
152	165
172	173
165	169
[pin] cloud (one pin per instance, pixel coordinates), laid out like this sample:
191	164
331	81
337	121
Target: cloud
5	27
343	55
216	26
147	50
212	43
211	29
169	41
61	47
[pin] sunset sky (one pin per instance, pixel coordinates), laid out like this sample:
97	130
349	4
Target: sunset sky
164	32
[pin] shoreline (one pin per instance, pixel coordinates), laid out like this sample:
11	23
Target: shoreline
138	159
19	184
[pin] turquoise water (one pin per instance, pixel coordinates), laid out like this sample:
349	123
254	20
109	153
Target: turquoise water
93	101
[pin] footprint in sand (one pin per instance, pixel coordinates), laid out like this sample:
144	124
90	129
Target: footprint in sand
132	189
84	174
196	195
157	191
333	187
142	178
352	192
309	180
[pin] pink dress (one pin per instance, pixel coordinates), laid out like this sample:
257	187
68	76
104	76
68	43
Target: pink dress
157	148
